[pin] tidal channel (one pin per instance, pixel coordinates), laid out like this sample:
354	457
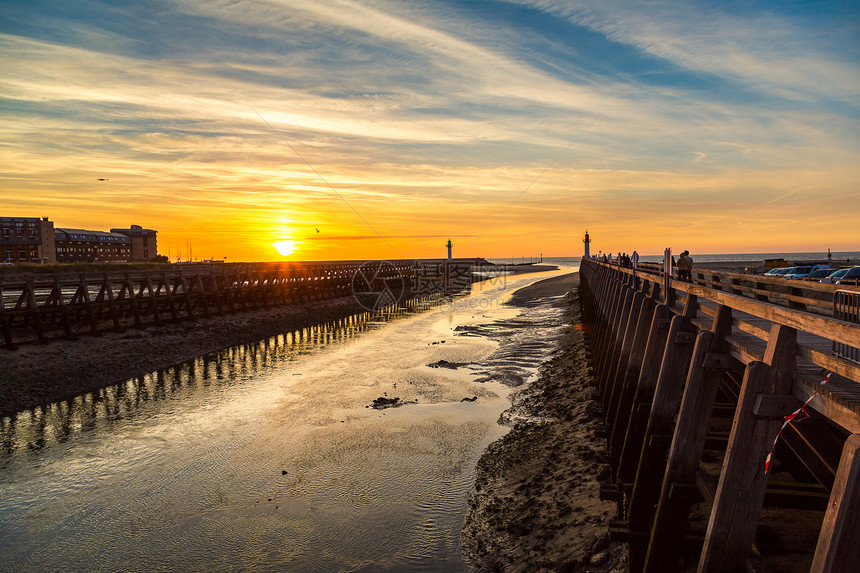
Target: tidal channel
270	456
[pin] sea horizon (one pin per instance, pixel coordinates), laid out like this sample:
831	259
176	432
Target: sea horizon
837	257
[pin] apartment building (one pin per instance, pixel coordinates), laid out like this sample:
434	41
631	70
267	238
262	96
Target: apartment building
27	240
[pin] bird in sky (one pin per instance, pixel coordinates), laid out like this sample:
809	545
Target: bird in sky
318	230
102	179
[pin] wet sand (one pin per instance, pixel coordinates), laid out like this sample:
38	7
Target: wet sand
555	286
536	506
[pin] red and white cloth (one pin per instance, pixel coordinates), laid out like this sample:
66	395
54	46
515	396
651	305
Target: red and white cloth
793	418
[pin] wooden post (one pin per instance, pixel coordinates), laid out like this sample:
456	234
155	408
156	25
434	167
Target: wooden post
64	312
168	291
684	455
616	356
186	295
107	291
228	291
265	283
604	323
133	301
656	443
284	287
691	428
838	550
610	307
623	298
153	299
216	293
5	323
622	414
648	376
619	370
740	493
240	289
33	307
84	289
201	295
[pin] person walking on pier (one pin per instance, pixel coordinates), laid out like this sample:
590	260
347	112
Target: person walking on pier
625	261
685	267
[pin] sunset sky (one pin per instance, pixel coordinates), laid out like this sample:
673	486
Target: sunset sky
380	129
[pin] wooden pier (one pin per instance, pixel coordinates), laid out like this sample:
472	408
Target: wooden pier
697	380
41	308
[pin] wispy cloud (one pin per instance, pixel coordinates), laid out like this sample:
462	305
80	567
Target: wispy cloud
432	115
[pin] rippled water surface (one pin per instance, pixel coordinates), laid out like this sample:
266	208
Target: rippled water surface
268	457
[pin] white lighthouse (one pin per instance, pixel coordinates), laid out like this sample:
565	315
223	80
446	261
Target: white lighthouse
449	249
587	242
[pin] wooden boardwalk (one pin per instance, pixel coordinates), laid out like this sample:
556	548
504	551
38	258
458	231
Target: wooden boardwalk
41	308
697	381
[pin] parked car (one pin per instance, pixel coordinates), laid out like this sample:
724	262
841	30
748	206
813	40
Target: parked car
835	276
820	274
852	277
803	271
776	273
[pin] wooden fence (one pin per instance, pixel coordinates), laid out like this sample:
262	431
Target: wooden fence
42	308
697	381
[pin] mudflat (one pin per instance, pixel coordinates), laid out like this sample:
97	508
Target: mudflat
536	505
555	286
34	375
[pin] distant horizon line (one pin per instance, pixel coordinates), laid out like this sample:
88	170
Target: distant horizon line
821	254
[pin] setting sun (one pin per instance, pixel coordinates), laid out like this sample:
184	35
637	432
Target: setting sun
285	248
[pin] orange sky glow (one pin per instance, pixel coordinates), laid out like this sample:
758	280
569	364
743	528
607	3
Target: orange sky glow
250	137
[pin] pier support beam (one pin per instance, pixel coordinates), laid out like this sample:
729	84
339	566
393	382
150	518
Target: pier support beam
644	395
838	550
652	461
743	481
700	390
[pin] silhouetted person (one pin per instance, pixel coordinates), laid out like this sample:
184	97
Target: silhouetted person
685	267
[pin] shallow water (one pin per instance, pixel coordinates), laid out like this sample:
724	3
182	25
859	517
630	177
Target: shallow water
268	457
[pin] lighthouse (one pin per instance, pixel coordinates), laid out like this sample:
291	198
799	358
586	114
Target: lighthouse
587	242
449	249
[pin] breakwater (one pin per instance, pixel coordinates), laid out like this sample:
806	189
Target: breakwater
702	384
40	308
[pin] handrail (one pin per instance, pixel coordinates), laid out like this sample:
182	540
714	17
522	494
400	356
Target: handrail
832	329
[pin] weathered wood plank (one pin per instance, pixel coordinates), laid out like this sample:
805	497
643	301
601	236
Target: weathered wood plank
838	330
838	550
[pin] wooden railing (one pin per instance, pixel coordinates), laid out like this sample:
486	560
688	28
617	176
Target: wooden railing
703	372
41	308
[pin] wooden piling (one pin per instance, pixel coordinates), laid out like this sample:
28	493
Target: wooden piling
838	550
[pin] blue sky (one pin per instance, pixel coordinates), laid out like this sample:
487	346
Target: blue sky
713	126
